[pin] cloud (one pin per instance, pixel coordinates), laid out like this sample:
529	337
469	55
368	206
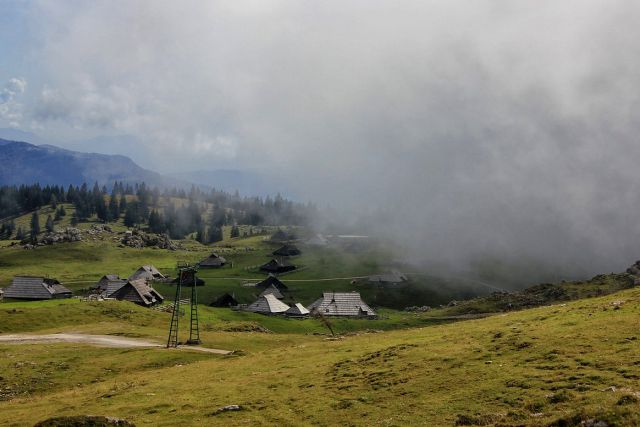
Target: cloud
461	129
10	109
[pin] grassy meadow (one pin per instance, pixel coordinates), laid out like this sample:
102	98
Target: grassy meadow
553	365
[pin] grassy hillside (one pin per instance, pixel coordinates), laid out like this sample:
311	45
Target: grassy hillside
553	365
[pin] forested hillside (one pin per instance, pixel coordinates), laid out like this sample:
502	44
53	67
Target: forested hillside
173	211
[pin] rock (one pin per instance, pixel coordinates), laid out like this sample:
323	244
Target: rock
84	421
227	409
139	239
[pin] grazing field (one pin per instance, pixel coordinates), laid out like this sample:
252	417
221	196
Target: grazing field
552	365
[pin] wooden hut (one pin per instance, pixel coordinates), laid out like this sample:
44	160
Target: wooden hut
147	272
277	266
272	281
213	261
139	292
273	291
297	310
36	288
108	284
267	304
279	237
347	304
224	300
287	250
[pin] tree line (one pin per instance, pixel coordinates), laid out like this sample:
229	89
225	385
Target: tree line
174	211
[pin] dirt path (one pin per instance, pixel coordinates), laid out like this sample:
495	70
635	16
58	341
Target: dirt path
97	340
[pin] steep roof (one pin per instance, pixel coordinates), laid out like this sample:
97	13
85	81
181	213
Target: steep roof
113	286
342	304
37	288
148	272
297	310
109	283
138	291
275	265
272	280
287	250
273	291
279	236
213	260
268	304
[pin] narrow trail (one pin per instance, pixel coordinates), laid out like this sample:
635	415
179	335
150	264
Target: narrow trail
97	340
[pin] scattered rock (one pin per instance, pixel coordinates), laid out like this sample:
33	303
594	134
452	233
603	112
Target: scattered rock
226	409
84	421
418	309
139	239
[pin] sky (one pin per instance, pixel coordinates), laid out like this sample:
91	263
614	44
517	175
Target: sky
504	129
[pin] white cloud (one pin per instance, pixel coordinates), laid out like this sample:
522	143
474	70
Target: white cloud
491	124
10	109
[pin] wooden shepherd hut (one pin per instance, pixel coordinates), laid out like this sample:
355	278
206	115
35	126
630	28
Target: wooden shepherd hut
213	261
287	250
272	281
108	284
273	291
277	266
297	310
147	272
139	292
268	304
347	304
36	288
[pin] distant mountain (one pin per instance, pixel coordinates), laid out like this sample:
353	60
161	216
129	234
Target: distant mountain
247	183
24	163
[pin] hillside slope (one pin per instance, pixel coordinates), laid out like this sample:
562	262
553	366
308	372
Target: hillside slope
548	366
25	163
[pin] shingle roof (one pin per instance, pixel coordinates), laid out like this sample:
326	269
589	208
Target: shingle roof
297	310
287	250
148	272
277	266
138	291
213	260
273	291
30	287
109	283
267	304
272	280
113	286
342	304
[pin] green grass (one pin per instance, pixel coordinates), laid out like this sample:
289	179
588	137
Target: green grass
555	364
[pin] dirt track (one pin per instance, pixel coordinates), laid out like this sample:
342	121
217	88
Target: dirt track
97	340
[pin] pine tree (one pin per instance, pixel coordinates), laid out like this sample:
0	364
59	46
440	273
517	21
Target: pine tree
215	234
20	234
74	220
49	224
35	225
200	234
53	201
123	203
235	231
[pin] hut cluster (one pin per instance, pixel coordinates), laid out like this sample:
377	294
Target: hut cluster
270	301
136	288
